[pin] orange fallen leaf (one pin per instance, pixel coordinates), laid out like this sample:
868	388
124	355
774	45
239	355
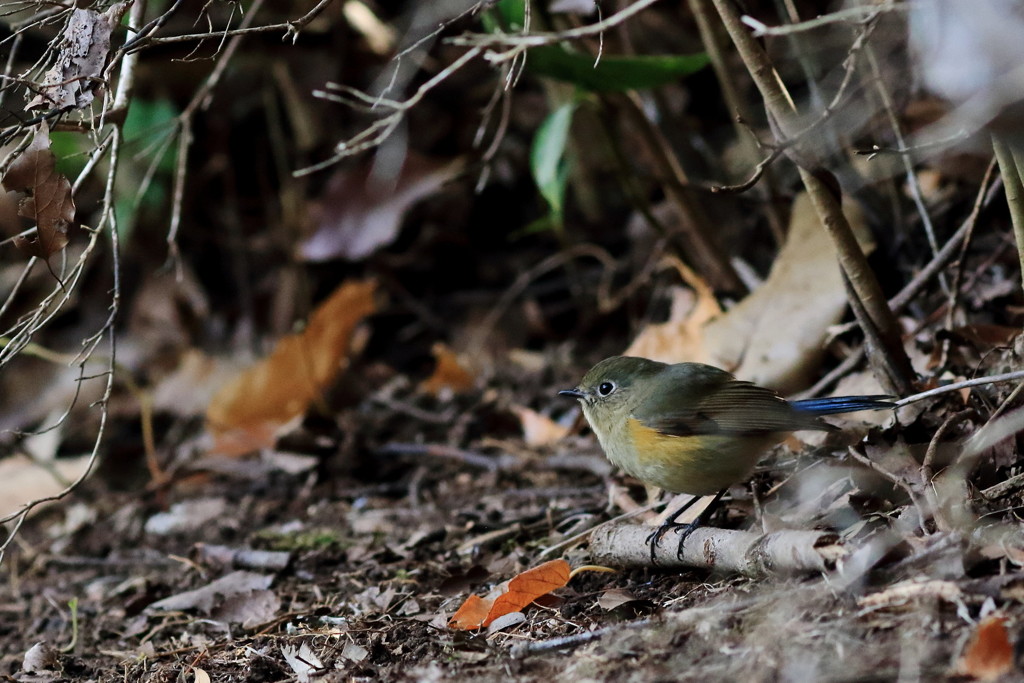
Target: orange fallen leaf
516	594
512	596
250	407
989	654
528	586
449	374
538	430
471	614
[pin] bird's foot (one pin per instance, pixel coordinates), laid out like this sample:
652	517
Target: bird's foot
655	537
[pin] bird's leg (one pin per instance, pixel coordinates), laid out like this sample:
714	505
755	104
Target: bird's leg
687	529
667	525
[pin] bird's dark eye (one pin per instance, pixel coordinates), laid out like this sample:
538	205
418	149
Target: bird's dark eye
606	388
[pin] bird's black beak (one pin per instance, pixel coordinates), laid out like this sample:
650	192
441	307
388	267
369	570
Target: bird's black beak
575	393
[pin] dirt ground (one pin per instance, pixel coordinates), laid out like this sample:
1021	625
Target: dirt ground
331	414
273	569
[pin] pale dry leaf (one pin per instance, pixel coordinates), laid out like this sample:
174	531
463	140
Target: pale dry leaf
303	661
505	621
775	336
188	515
681	338
47	201
969	53
40	657
615	597
360	213
214	594
188	389
81	58
23	480
248	609
538	430
354	653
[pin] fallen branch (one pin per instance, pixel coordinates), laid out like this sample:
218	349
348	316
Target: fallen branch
781	552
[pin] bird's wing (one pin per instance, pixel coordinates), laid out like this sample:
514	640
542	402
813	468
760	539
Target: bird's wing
713	403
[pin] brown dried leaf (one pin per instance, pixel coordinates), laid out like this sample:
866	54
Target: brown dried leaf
283	385
804	288
82	56
48	199
449	375
989	654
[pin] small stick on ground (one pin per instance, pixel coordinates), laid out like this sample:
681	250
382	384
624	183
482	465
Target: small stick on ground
781	552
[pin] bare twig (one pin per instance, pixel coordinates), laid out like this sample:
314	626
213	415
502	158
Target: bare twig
893	368
291	29
696	227
1010	171
928	464
781	552
540	38
200	101
925	509
908	164
704	14
380	130
957	386
857	14
107	220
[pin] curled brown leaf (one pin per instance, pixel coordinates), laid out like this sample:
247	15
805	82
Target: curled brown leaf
47	199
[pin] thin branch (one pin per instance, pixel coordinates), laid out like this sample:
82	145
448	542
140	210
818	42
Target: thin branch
380	130
108	218
893	368
485	40
199	102
292	29
849	15
908	165
957	386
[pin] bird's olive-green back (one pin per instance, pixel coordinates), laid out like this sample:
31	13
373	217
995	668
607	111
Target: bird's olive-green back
690	398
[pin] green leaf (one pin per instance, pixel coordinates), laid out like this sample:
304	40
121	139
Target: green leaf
72	152
147	123
547	158
508	16
612	73
146	128
513	14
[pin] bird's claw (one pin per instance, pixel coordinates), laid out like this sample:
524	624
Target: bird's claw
655	537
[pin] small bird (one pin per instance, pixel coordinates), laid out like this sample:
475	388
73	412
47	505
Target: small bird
693	428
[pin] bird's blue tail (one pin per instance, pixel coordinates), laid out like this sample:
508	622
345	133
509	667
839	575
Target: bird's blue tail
832	405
